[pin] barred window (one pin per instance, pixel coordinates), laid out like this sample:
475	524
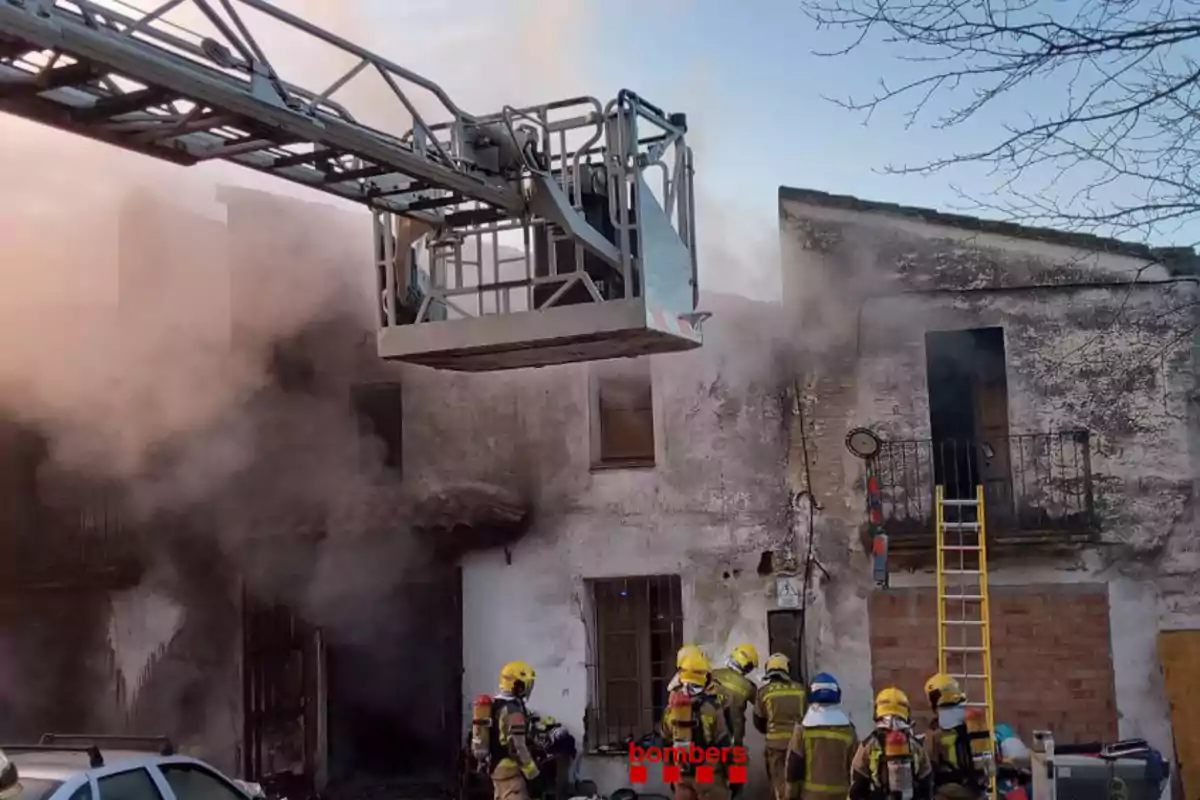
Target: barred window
638	629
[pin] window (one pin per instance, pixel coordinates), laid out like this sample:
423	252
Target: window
380	411
136	784
82	793
190	782
622	415
638	627
291	366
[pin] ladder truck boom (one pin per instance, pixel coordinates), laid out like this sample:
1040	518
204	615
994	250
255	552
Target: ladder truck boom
525	237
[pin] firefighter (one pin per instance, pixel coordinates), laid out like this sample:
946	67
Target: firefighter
778	708
499	733
890	763
737	690
695	716
684	652
956	776
821	751
553	749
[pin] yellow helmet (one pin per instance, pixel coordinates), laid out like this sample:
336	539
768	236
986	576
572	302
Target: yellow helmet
778	664
744	658
516	678
694	669
892	702
942	690
684	652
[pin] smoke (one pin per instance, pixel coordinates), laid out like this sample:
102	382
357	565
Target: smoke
148	322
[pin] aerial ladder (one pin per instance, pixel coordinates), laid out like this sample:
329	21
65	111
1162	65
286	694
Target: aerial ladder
533	236
964	622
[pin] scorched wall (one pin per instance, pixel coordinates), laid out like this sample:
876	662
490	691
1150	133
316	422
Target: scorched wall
713	503
1098	336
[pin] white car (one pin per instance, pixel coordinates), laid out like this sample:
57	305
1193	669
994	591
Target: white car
55	770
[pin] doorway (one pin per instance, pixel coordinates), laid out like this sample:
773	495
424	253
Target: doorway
281	687
368	707
395	692
968	414
785	634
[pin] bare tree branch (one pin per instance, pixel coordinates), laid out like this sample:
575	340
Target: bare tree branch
1124	75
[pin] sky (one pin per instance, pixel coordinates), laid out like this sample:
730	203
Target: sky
746	74
756	94
760	104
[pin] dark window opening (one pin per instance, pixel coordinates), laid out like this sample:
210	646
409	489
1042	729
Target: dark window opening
968	413
623	430
290	366
379	408
638	625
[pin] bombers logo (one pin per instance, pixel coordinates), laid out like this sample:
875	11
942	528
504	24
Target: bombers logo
703	761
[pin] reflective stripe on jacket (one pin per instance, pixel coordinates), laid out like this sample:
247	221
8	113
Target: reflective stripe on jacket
779	706
819	761
949	755
868	761
737	691
510	745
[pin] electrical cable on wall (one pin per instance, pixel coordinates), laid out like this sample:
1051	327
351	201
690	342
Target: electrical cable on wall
809	558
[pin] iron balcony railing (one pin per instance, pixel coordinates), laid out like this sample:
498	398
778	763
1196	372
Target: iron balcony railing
1033	483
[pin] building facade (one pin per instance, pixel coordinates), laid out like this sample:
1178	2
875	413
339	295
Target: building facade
376	541
1056	371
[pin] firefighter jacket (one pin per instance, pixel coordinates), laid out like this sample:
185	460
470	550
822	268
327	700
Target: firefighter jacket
820	755
778	707
868	771
510	751
698	720
954	774
738	693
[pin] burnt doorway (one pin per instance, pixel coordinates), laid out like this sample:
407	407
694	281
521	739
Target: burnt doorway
281	684
968	414
394	705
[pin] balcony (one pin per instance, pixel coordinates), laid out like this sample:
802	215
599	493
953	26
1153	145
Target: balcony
1037	488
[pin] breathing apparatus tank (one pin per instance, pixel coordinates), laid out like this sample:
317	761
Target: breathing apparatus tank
481	730
898	759
983	752
682	719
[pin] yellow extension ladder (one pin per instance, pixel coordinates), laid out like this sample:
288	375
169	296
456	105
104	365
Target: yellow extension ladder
964	625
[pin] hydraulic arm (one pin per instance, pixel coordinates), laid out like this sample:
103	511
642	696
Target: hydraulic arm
570	190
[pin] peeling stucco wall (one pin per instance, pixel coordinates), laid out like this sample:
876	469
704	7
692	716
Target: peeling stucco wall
1084	349
716	500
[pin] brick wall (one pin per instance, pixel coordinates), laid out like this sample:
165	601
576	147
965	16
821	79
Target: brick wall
1051	656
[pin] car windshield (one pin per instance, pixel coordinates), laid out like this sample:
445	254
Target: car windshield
36	789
